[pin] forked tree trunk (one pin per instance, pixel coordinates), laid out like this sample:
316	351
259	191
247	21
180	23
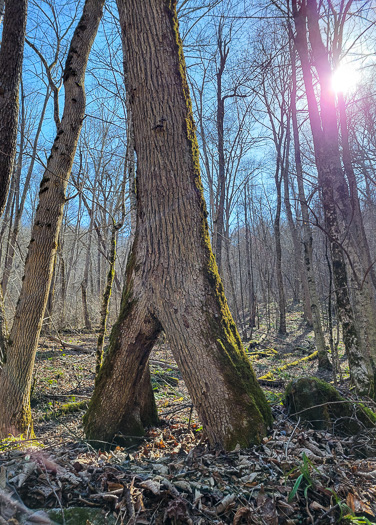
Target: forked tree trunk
172	281
15	377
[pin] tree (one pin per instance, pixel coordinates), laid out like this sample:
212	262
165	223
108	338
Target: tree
343	221
307	232
172	281
16	374
11	56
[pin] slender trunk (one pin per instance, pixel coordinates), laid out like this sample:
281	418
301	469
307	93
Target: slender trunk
241	284
219	221
340	226
20	209
250	280
15	379
278	247
300	274
307	232
63	289
106	298
84	283
47	322
233	300
177	288
361	238
11	57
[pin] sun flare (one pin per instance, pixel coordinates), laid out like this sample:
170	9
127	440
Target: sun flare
344	79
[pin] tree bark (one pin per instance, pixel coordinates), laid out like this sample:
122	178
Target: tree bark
172	279
11	57
342	225
16	375
106	297
282	329
250	278
324	362
20	209
221	191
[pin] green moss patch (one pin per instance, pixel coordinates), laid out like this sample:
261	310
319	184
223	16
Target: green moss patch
320	404
63	410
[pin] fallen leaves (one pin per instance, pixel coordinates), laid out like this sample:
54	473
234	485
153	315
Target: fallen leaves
187	483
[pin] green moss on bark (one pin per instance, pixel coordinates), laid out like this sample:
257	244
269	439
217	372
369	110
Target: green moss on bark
234	362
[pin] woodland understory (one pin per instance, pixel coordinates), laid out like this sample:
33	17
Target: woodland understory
187	262
297	475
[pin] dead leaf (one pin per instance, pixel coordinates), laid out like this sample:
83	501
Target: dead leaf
153	486
225	503
358	506
114	486
177	510
315	505
244	513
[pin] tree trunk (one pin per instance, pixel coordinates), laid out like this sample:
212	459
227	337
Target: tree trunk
11	56
15	377
368	264
250	279
17	221
106	297
300	274
172	279
278	247
342	225
221	191
85	280
324	362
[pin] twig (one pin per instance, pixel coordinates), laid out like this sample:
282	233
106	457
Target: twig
290	438
190	417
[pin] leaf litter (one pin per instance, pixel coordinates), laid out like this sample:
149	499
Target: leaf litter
297	475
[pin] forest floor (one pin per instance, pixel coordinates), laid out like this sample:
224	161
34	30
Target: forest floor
297	475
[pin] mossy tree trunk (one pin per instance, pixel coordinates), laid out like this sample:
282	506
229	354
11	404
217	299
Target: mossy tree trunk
107	296
172	279
16	374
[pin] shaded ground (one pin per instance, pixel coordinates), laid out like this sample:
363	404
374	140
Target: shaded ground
297	475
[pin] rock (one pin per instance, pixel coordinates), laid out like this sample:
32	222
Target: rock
324	408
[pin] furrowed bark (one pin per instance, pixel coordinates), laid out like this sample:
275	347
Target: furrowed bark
172	277
343	225
15	377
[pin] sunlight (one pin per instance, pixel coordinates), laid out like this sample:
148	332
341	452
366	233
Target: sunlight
345	79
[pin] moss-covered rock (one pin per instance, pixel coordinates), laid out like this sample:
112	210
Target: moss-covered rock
324	408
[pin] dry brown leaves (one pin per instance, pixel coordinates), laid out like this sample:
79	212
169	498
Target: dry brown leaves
174	478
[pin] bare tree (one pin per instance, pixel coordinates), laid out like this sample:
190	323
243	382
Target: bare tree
178	289
16	374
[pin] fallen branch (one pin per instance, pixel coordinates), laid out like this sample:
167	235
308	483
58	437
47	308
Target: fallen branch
163	364
269	375
274	383
64	344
